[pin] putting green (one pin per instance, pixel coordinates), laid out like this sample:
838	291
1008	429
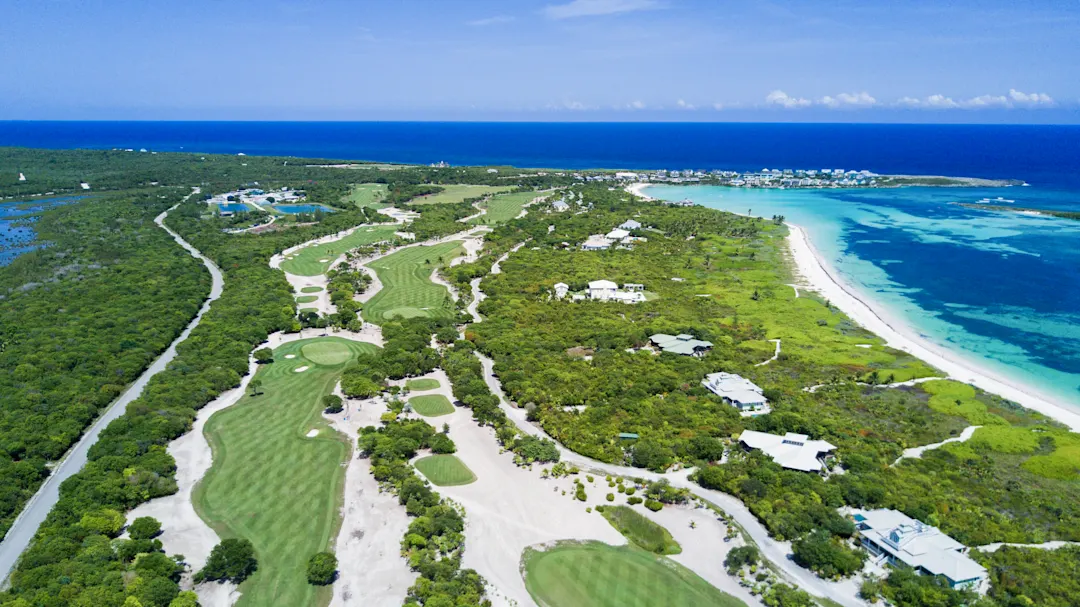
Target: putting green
431	405
311	290
445	470
422	384
407	288
327	353
306	299
595	574
273	485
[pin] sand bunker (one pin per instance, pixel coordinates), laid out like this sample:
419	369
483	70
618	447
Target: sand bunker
323	260
290	356
312	433
301	369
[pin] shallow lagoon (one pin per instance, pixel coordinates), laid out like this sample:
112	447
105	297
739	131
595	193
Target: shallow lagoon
16	236
294	209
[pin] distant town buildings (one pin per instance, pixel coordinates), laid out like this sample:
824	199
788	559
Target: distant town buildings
792	451
738	392
893	537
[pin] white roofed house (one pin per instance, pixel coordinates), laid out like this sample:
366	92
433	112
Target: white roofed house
596	242
738	392
602	290
560	206
561	289
893	537
792	451
630	224
617	234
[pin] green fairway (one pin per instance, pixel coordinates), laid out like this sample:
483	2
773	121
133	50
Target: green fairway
306	299
595	574
316	259
311	290
431	405
458	193
368	195
445	470
504	207
640	530
422	384
272	485
407	288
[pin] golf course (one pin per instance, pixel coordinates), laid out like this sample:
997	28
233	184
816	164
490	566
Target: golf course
596	574
431	405
314	260
445	470
458	193
503	207
368	195
270	483
407	290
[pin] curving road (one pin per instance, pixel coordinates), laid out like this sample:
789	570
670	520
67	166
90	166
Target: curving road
33	514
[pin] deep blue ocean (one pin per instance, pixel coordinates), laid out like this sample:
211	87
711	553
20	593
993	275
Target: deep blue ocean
1002	289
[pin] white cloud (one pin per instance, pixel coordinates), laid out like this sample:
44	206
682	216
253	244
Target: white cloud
784	100
862	99
1030	98
497	19
682	105
635	105
718	106
591	8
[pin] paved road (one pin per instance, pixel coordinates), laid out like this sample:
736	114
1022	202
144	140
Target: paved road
35	511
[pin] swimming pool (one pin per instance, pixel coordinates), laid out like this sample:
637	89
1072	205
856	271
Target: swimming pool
293	209
233	207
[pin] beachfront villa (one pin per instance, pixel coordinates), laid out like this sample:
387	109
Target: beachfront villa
683	344
792	451
738	392
893	537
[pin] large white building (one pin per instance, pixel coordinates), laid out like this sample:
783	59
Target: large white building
895	538
792	451
602	290
738	392
596	242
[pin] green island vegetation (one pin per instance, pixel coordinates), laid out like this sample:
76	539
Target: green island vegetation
596	574
420	385
81	318
407	290
445	470
311	290
300	495
504	207
1003	209
431	405
368	195
457	193
314	260
640	530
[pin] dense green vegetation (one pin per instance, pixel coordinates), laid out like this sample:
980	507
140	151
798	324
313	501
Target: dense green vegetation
81	318
1030	576
590	573
640	530
445	470
300	495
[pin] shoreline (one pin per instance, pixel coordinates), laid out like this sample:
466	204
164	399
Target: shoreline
815	270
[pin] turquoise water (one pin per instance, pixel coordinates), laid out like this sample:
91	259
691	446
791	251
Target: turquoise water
1000	289
233	207
294	209
17	234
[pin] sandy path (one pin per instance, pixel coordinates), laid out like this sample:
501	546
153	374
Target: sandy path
917	452
477	297
814	271
775	356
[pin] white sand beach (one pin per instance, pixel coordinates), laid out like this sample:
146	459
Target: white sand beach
816	273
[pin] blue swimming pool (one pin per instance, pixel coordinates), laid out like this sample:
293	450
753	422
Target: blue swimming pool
293	209
233	207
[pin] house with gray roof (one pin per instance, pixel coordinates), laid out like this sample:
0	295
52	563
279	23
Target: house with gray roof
894	538
683	343
738	392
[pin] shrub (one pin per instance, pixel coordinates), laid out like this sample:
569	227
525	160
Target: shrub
322	568
611	497
144	528
580	493
633	501
621	489
264	355
232	560
332	403
629	490
653	505
105	521
741	556
825	555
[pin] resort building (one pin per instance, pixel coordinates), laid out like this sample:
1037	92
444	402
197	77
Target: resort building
893	537
596	242
792	451
561	289
630	224
602	290
683	344
738	392
617	234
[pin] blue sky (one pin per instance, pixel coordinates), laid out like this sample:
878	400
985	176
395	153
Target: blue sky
567	60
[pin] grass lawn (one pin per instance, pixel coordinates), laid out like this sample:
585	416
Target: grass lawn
309	261
445	470
458	193
407	288
422	384
306	299
311	290
599	575
272	485
504	207
368	195
640	530
431	405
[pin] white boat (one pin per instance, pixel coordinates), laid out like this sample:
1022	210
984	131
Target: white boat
1000	199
